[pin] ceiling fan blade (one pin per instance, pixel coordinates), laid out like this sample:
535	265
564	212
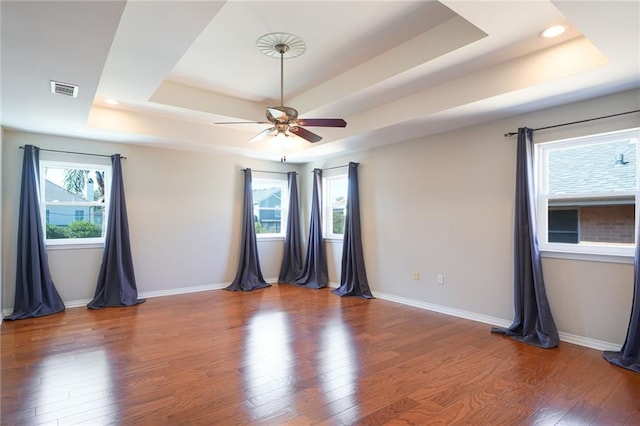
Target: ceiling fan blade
241	122
305	134
322	122
263	134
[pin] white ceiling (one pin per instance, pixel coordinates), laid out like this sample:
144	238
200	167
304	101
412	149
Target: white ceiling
394	70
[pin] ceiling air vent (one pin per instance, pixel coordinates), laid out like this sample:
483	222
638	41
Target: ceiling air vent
64	89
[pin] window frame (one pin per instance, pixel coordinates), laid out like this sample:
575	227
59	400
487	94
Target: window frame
591	250
281	180
44	210
327	207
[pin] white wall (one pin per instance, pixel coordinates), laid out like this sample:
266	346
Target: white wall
184	215
444	205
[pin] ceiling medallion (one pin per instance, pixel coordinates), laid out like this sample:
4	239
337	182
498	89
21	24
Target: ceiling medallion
274	44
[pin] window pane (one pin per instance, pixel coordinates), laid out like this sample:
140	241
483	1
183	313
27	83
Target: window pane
335	205
73	185
593	168
66	221
73	202
267	206
338	221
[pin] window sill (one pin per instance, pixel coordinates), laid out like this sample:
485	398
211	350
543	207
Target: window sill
333	239
75	246
259	239
588	257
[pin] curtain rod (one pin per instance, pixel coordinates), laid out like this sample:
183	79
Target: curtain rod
336	167
268	171
507	135
284	173
76	152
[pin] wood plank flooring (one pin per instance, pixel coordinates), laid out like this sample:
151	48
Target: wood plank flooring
293	356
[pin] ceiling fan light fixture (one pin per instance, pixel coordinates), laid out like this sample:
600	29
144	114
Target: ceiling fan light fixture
282	137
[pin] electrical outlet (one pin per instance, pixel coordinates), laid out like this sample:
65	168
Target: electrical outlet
440	279
416	276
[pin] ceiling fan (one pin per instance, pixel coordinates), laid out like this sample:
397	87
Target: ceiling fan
284	119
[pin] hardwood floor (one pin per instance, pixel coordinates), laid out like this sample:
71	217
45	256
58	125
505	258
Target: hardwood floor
286	355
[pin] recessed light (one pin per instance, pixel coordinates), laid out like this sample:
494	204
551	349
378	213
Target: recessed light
553	31
112	102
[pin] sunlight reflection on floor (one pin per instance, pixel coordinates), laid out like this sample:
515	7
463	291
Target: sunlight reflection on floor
270	363
75	387
337	365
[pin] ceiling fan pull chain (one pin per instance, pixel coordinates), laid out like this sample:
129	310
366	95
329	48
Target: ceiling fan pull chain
283	151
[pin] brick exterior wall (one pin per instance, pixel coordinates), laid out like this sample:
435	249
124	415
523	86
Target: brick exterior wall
610	224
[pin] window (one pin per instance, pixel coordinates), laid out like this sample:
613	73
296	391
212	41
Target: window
563	225
74	202
335	205
587	190
270	203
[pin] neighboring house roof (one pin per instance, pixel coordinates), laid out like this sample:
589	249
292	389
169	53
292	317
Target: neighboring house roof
593	168
263	194
54	192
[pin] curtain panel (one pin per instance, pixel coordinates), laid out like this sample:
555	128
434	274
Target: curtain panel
116	285
629	356
292	257
353	275
315	272
533	322
35	293
249	276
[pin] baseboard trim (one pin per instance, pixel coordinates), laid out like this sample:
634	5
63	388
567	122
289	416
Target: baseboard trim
76	303
499	322
144	295
182	290
193	289
444	309
588	342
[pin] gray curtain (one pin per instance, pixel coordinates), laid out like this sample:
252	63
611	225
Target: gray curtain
629	355
533	323
36	294
353	276
314	272
116	284
249	276
292	257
